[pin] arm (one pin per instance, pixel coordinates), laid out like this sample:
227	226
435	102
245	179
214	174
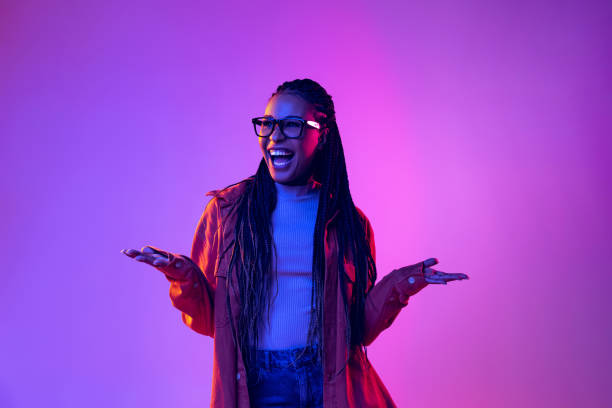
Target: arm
194	294
385	299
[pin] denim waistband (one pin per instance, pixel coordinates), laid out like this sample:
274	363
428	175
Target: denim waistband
295	357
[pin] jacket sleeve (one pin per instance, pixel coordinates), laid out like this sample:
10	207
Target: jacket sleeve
194	294
386	299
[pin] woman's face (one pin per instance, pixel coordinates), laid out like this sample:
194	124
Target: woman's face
299	167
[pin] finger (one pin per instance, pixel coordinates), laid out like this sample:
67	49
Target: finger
161	261
141	258
430	262
431	272
130	252
149	259
152	250
437	272
457	276
453	276
448	279
434	280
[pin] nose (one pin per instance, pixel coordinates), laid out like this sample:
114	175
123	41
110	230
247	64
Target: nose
277	134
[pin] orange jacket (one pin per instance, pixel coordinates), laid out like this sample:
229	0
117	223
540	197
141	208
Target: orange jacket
201	297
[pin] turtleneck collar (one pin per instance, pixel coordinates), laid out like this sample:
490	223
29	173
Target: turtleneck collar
309	189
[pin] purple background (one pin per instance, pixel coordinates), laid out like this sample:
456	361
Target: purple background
476	132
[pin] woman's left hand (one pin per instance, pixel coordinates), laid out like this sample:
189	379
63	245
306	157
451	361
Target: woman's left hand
433	276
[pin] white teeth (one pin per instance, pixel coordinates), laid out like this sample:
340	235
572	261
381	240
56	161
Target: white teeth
275	152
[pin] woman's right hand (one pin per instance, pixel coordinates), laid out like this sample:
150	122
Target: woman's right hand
171	265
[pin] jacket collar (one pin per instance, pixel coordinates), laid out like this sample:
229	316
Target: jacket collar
229	196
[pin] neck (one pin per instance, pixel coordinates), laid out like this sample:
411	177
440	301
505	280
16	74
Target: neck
297	189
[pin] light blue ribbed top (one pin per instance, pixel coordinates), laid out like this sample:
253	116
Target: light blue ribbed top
293	222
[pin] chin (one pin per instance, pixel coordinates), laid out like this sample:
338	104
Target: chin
279	176
281	179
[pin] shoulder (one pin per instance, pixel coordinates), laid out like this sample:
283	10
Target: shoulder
361	214
217	209
364	219
232	192
367	226
224	199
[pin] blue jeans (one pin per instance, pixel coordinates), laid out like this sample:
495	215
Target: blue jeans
284	378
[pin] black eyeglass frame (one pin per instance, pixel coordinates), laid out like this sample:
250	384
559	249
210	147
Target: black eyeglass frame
281	124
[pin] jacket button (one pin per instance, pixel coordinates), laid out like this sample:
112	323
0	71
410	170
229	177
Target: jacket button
411	279
238	376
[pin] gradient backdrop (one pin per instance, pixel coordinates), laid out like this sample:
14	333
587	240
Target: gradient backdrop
477	132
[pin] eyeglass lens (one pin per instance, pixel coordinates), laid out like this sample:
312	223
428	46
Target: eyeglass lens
290	127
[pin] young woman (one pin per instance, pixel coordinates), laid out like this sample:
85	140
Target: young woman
282	270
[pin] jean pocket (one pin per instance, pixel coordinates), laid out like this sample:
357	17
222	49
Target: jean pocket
275	387
256	376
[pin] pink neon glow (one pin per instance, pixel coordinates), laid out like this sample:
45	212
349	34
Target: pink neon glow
475	132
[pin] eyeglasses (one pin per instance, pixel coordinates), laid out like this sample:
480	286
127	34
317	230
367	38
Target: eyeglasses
291	127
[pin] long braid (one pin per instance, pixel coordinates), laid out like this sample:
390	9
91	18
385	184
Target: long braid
252	253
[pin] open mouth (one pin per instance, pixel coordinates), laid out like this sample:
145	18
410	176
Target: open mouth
280	159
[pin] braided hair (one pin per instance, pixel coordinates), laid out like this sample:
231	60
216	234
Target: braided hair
252	252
